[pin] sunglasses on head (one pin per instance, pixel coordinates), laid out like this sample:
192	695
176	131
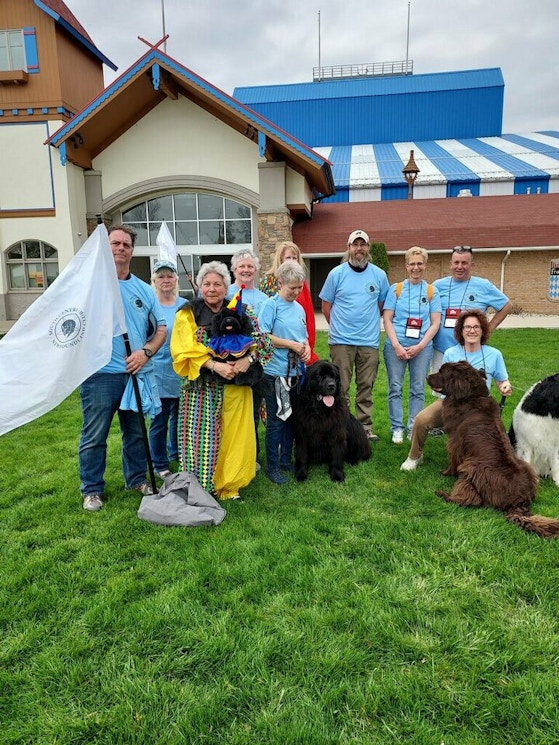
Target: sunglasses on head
462	250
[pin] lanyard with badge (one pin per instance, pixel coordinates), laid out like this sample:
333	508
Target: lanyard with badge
451	314
413	324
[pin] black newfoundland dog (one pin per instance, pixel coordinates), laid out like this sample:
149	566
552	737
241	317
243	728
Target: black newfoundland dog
325	431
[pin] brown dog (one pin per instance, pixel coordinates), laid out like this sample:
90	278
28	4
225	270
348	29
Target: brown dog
489	474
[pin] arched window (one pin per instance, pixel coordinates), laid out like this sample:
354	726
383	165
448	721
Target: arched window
31	265
193	219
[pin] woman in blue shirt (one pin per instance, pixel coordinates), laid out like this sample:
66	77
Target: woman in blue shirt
411	317
163	427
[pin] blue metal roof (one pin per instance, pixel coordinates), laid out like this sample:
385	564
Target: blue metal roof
374	86
518	168
384	109
511	164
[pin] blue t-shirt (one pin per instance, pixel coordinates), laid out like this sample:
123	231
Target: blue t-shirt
286	319
168	382
486	358
412	303
475	292
253	298
139	303
355	298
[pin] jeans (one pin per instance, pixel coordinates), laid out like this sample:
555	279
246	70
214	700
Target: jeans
396	370
100	396
163	434
279	433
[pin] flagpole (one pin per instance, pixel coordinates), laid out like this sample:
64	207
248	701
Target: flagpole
138	397
163	24
188	276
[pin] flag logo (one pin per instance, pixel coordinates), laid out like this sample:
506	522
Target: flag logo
68	328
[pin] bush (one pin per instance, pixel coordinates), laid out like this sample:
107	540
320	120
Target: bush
379	256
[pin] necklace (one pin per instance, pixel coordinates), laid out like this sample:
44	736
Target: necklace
473	353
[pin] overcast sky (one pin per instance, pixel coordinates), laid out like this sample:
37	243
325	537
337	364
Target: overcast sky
260	42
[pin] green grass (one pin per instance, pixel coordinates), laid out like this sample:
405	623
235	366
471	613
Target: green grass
369	612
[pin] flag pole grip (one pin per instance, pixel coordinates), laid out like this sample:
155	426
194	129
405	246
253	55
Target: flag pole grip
142	419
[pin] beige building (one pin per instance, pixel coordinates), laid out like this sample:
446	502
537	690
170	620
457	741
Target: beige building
161	143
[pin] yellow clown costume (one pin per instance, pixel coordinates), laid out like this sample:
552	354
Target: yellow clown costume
216	434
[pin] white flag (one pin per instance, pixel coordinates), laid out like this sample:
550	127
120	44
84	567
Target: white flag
166	246
64	337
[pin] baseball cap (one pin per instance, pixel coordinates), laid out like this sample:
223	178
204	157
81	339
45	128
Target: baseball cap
357	234
164	265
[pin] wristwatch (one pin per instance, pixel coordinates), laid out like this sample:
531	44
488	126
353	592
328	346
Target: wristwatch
147	352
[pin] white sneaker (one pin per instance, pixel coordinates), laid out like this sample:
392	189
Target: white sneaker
398	436
410	464
144	489
92	502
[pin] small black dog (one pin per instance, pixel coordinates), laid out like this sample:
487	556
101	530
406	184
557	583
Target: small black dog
325	430
230	339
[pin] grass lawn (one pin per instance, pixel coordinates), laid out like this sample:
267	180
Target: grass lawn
365	612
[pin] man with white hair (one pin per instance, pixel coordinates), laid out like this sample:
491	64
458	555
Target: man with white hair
352	301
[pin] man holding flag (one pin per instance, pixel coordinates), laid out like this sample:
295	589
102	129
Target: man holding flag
102	392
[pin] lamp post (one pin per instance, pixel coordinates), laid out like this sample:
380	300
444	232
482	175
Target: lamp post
410	171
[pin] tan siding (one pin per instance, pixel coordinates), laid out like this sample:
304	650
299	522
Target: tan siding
43	88
68	75
81	75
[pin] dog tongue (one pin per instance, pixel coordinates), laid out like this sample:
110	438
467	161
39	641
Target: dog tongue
328	401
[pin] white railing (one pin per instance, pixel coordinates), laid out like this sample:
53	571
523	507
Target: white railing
366	70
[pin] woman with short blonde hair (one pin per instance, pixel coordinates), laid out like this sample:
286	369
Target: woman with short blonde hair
411	316
289	251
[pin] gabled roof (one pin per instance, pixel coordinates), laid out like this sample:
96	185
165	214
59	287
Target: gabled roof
62	15
146	84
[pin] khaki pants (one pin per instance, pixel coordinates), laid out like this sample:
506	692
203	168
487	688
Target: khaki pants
430	417
365	361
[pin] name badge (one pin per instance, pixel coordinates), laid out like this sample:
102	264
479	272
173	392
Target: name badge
413	328
450	317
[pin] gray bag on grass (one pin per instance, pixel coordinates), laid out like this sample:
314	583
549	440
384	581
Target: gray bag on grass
181	501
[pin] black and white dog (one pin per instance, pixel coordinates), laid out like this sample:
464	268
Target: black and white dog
534	432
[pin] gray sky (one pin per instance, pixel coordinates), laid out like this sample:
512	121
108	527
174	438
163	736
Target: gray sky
261	42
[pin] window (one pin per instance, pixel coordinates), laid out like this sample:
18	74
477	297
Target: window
12	50
31	265
193	219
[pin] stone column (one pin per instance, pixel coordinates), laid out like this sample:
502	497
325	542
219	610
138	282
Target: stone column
274	219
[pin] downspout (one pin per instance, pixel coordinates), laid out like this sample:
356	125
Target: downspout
503	262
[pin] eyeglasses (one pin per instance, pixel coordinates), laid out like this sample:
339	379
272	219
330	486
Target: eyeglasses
471	328
462	250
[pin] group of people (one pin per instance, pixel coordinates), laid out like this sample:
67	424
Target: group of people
209	422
